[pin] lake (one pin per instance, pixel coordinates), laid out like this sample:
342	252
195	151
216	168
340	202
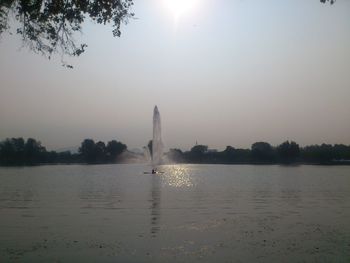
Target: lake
190	213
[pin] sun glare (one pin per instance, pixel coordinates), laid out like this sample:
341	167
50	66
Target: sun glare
179	7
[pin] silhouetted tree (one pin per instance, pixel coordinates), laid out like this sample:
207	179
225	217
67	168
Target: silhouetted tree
114	148
229	154
288	152
48	26
100	152
33	151
19	147
323	154
243	155
7	152
262	152
65	157
197	153
51	157
341	152
17	152
87	151
199	149
175	155
232	155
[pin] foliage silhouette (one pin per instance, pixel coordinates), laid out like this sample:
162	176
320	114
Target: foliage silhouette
48	27
197	153
288	152
17	151
114	149
232	155
87	151
100	153
325	153
262	152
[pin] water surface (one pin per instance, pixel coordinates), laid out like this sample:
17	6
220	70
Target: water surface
204	213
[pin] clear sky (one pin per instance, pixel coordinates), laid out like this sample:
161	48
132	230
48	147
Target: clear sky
226	72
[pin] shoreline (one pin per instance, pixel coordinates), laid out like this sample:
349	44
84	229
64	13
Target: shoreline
336	163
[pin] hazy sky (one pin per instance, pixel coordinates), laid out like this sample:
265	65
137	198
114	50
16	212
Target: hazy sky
227	73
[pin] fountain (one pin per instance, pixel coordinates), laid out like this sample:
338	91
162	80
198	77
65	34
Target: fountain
157	145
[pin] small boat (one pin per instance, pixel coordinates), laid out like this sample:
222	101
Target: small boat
153	172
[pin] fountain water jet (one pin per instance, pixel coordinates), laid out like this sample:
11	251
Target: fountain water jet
157	144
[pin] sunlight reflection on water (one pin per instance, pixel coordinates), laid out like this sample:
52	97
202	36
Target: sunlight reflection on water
178	176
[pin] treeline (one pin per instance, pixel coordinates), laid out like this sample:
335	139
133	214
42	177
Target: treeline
17	151
264	153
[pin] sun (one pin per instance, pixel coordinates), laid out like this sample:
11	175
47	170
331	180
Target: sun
179	7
